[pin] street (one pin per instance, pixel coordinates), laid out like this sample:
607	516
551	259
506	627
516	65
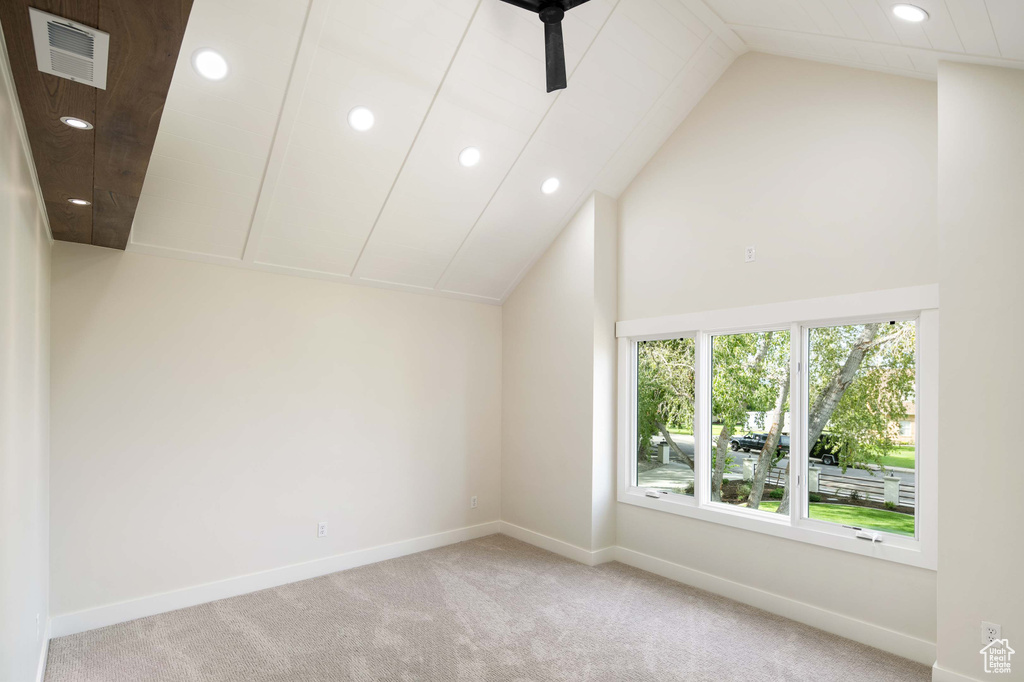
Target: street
735	470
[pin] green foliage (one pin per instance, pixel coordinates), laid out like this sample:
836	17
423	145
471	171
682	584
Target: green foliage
890	505
743	491
739	382
665	387
776	493
813	497
877	397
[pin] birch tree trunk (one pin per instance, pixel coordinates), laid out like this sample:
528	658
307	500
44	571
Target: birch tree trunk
687	459
784	504
764	461
827	401
721	448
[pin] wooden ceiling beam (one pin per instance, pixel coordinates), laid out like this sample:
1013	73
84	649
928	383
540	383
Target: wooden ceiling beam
145	38
106	165
64	157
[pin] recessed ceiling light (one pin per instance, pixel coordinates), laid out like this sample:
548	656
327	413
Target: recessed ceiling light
75	123
79	202
361	119
209	64
550	186
911	13
469	157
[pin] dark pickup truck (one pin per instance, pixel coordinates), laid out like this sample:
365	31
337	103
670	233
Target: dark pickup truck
827	449
756	441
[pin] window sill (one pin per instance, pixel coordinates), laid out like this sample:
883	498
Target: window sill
907	551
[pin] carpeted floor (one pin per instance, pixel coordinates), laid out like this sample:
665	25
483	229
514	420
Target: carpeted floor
488	609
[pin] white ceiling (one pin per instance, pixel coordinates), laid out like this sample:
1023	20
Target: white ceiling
260	170
866	34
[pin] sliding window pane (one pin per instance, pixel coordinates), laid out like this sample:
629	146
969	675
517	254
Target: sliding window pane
750	420
861	425
664	420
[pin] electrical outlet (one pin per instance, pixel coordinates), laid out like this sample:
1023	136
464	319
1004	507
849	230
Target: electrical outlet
990	632
749	255
472	502
321	529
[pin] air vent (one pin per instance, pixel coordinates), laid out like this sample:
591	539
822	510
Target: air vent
70	50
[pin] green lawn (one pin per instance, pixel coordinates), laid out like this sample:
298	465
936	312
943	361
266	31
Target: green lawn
715	430
904	458
863	517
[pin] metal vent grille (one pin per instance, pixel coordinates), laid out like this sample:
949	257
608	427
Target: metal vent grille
78	69
70	39
70	50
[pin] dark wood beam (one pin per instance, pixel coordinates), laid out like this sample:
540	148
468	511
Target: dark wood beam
106	165
145	37
64	157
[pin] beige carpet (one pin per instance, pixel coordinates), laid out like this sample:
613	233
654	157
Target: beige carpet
488	609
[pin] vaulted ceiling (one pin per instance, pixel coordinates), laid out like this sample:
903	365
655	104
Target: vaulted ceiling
260	169
866	33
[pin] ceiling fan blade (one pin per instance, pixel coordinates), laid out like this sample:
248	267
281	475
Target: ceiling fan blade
554	50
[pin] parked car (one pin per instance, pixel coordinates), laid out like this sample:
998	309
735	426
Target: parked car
828	448
748	442
756	441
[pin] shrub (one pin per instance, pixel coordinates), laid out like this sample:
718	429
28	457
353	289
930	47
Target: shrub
689	489
776	493
855	495
743	492
814	497
890	505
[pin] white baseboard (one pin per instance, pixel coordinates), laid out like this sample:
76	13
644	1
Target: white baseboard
877	636
940	674
584	556
44	650
110	614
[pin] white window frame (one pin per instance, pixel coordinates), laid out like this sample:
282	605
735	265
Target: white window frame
913	303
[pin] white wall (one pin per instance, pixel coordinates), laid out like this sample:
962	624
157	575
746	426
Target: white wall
557	468
206	418
830	173
24	403
981	215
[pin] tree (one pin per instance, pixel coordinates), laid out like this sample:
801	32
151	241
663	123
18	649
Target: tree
740	378
859	379
769	453
665	392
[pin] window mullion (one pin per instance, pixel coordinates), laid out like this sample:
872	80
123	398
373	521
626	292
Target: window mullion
797	425
702	421
630	436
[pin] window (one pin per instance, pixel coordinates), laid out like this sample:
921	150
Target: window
749	400
811	420
860	387
664	415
